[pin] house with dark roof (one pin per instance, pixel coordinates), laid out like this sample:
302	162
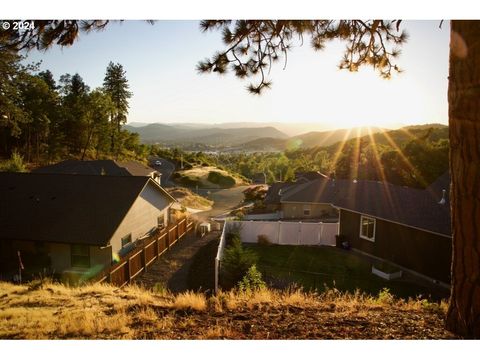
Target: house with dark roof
274	193
100	167
309	200
305	176
76	223
405	226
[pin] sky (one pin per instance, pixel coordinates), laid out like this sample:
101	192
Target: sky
160	62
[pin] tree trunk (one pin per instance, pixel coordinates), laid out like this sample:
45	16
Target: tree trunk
90	133
463	315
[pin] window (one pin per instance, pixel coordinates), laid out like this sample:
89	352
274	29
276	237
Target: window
126	240
80	256
367	228
306	210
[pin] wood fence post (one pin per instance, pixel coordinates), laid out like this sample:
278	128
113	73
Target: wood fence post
129	270
144	259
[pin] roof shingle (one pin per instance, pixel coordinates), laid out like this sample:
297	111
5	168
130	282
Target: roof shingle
80	209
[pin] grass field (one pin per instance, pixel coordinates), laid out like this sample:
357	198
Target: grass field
53	311
327	267
202	177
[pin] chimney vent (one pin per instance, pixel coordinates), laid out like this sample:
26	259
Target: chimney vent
442	201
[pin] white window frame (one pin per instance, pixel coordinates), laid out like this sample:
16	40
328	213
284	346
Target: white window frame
372	239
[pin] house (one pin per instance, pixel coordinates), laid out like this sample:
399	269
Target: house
274	192
310	200
306	176
76	223
405	226
303	200
100	167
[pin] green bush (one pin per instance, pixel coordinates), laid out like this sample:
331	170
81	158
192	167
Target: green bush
218	178
236	262
252	280
15	164
187	181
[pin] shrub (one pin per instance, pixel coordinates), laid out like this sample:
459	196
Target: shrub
188	181
252	280
220	179
232	237
15	164
385	297
263	240
236	262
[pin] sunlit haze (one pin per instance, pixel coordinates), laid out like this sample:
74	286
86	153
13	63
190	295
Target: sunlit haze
311	92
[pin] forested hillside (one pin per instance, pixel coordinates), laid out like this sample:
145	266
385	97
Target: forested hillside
412	156
43	120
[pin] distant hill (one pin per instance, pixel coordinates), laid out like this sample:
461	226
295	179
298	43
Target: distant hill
309	140
269	138
185	134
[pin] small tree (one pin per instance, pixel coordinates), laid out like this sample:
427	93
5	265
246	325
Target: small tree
252	280
236	262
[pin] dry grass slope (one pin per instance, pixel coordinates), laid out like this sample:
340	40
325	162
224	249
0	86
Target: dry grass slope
189	199
53	311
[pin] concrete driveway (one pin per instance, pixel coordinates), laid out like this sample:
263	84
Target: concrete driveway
224	200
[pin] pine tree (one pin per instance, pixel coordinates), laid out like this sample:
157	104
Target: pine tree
116	86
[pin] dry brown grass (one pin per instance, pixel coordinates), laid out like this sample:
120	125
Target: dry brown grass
190	301
54	311
189	199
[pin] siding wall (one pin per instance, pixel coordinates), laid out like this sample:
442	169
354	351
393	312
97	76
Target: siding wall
420	251
295	210
142	217
59	254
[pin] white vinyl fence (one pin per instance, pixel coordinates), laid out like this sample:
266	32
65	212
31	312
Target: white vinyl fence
286	233
269	216
278	232
221	247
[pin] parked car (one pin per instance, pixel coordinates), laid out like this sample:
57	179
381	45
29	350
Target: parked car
158	163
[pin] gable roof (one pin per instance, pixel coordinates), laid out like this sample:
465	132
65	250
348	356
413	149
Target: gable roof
275	190
310	175
78	209
97	167
413	207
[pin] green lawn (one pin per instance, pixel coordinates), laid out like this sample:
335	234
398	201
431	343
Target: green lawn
318	267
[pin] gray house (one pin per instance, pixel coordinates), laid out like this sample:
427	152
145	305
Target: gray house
406	226
75	223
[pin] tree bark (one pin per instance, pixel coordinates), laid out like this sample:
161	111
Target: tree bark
463	315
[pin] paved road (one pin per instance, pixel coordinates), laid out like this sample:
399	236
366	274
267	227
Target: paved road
166	169
224	200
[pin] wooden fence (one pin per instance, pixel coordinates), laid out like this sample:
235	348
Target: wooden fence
145	253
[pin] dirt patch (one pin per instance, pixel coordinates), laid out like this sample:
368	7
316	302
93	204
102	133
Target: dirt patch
171	271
